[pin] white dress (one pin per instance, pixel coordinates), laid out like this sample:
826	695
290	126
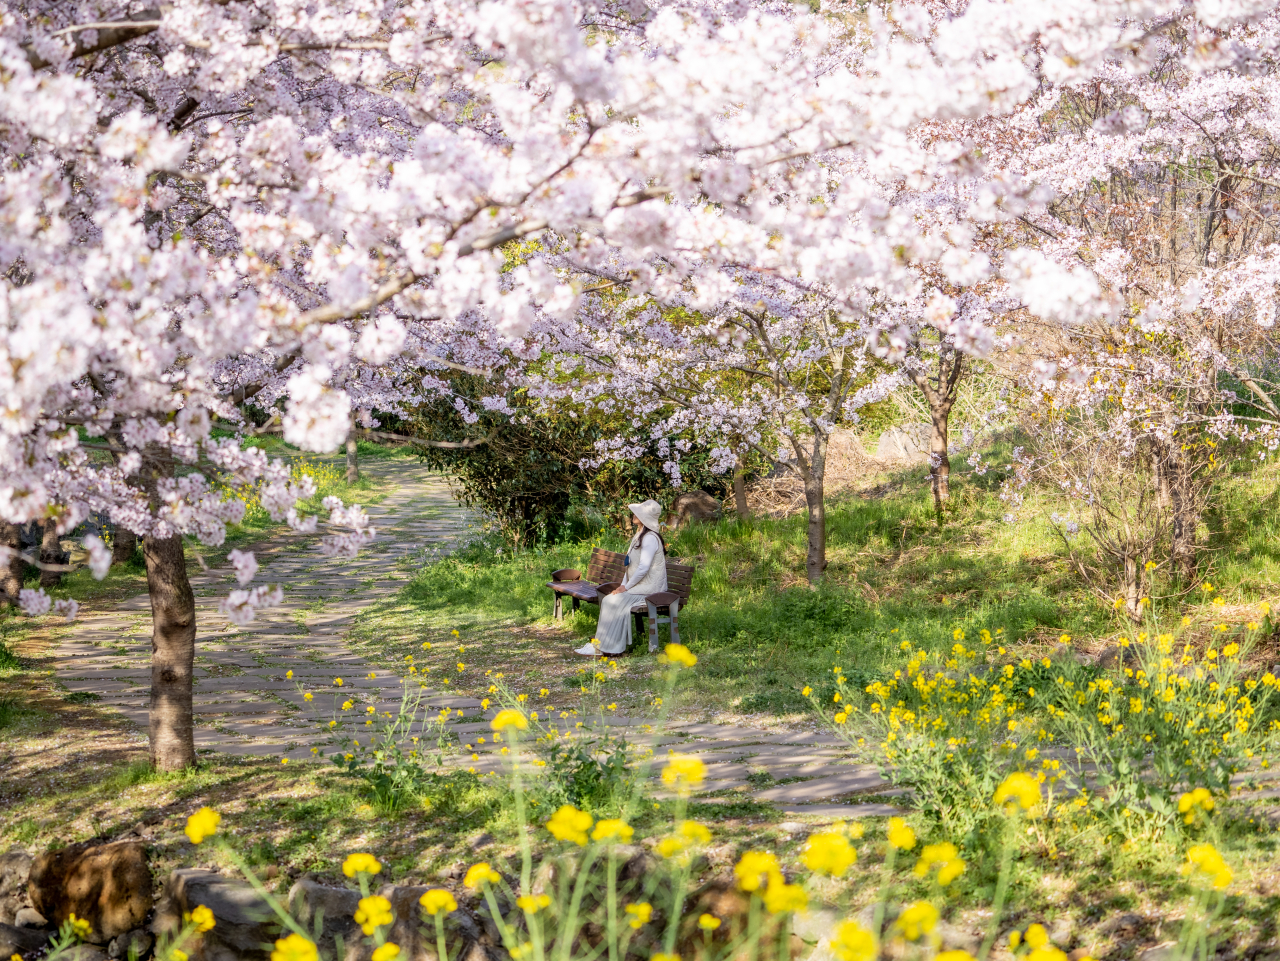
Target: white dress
646	573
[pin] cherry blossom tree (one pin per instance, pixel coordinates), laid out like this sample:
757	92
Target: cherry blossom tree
308	209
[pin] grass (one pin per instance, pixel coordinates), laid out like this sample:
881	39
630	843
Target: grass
68	772
762	633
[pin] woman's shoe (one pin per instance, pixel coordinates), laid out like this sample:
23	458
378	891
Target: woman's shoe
589	650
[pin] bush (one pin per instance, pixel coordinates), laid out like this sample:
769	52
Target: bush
1118	745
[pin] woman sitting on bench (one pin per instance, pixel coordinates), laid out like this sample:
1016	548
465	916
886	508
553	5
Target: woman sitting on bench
645	574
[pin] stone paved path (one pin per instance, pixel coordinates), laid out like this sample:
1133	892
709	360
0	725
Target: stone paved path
246	701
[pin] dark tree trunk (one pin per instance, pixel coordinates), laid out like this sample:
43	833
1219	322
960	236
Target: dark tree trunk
11	574
941	462
173	648
50	553
124	544
816	560
813	471
353	464
740	493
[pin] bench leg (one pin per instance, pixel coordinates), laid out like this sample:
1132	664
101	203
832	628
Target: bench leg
675	622
558	610
653	629
575	605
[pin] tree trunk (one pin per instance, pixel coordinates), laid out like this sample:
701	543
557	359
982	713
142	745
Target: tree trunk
173	649
353	464
941	463
124	544
1186	518
814	474
1132	589
50	553
11	574
740	493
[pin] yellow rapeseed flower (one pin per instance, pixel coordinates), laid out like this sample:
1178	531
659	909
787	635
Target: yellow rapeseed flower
480	874
945	856
437	900
360	864
373	912
679	654
957	955
202	824
661	956
829	853
1018	791
756	869
1189	802
708	922
79	926
612	828
782	898
1205	867
533	903
385	952
509	718
202	918
853	942
570	824
683	772
807	691
900	834
917	920
294	948
640	914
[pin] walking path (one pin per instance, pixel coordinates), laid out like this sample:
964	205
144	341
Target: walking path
252	684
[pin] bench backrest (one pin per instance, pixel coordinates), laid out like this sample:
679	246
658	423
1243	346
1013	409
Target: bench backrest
679	579
606	567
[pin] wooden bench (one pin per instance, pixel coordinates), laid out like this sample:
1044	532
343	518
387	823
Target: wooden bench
605	572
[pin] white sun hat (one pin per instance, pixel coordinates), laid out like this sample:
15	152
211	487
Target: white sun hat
648	513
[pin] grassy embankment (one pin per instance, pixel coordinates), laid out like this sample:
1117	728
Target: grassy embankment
762	633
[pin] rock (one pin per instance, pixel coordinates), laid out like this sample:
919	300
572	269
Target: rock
108	885
1120	922
417	938
1060	931
905	444
83	952
15	866
328	912
693	506
1165	951
793	827
30	918
14	940
246	927
134	945
1115	658
816	924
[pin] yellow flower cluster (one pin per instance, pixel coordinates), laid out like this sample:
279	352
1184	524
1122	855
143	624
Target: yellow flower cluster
945	857
437	900
759	869
479	875
639	914
373	912
360	864
829	853
1194	801
1205	867
570	824
683	773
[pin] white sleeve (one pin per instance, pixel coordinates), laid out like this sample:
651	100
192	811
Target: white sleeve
648	548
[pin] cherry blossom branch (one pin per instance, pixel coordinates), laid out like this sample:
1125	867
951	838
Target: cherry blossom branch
138	25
